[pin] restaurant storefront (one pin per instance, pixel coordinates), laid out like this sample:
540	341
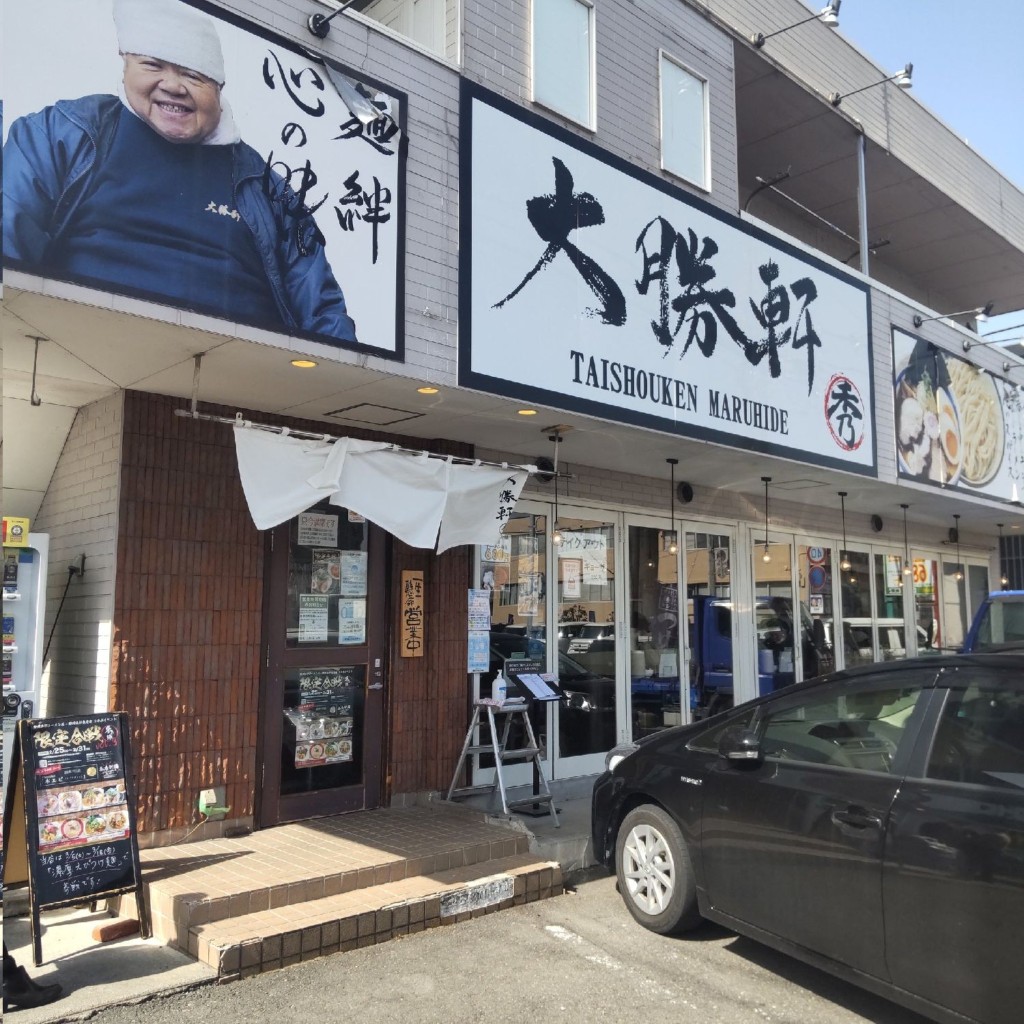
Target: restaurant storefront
634	657
497	262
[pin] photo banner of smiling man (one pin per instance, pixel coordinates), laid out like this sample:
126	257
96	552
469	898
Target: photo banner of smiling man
147	134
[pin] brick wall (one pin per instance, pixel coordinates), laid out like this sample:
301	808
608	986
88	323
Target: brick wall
187	613
430	695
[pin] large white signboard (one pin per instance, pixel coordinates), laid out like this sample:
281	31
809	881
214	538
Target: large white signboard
170	151
589	285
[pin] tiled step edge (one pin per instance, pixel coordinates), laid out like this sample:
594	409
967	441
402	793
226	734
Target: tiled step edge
269	939
175	914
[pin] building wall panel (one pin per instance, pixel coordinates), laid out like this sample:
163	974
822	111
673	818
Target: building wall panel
79	512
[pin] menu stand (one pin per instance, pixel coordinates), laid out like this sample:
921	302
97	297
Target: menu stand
508	710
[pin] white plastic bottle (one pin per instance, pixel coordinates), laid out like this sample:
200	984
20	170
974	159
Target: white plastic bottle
498	688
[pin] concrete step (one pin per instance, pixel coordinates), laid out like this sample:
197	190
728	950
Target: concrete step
239	947
225	879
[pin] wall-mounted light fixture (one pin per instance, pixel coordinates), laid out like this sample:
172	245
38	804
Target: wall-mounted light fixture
766	555
828	15
956	533
556	533
908	569
901	80
672	538
981	312
320	24
1003	578
844	558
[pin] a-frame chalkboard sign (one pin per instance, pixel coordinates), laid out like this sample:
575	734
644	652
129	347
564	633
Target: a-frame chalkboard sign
79	807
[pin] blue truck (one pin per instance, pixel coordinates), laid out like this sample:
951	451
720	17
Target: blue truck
711	649
998	623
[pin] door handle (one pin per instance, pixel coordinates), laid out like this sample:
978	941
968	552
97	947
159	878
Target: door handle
856	817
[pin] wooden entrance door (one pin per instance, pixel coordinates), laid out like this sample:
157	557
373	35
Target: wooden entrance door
322	714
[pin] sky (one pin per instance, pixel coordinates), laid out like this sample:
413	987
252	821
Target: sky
968	71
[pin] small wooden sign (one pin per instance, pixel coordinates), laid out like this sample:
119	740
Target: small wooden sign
79	813
413	642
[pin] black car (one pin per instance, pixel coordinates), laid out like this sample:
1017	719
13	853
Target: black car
870	822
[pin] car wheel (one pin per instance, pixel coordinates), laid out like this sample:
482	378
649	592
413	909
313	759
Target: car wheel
654	872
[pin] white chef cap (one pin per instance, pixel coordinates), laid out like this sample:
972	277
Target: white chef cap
171	31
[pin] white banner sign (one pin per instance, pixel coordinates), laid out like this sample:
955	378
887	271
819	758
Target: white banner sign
623	297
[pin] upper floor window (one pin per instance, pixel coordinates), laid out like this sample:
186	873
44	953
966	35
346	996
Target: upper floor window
563	58
432	24
684	123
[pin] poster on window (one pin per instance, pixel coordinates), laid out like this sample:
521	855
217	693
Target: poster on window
321	726
325	571
591	549
145	134
353	573
572	572
317	529
351	620
313	626
627	298
529	594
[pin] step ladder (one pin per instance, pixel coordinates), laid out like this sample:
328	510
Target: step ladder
503	754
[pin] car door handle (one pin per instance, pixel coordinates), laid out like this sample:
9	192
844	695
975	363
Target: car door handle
856	817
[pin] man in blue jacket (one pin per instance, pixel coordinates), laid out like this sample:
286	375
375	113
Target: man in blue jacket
154	193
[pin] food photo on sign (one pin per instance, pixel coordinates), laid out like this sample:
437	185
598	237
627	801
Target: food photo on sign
956	424
143	133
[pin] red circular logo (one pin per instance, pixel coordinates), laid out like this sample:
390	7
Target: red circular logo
844	412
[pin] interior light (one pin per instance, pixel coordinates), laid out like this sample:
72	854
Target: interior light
907	568
844	558
427	390
556	439
1003	578
527	412
673	541
304	364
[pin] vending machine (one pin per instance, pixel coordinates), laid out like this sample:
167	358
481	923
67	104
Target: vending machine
25	557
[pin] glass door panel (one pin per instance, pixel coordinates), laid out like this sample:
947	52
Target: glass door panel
585	609
890	629
514	571
322	697
926	606
653	598
954	604
814	568
855	591
711	631
774	617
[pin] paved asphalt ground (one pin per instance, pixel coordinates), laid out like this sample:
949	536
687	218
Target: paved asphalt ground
578	957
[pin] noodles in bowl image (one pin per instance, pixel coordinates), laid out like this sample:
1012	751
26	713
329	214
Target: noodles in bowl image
981	422
928	432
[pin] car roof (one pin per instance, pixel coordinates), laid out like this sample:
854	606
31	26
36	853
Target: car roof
1004	660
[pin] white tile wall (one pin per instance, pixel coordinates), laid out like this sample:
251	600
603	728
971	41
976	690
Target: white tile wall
79	512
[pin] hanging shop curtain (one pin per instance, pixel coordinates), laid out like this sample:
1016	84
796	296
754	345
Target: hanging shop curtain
412	495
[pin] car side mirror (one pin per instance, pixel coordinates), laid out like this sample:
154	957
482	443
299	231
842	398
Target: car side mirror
738	744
